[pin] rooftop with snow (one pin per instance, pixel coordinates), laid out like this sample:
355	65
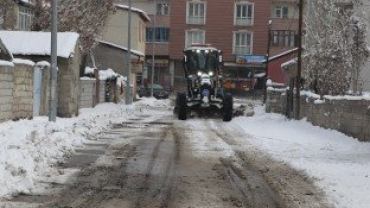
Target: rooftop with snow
38	43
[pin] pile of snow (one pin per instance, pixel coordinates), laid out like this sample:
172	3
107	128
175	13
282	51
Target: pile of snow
108	74
30	149
340	163
153	102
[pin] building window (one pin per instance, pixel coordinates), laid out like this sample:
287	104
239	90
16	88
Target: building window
163	9
161	34
195	13
25	16
242	43
284	38
243	14
281	12
194	37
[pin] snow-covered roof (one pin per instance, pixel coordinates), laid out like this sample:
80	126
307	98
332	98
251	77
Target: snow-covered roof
200	47
289	63
141	12
135	52
283	54
38	43
29	2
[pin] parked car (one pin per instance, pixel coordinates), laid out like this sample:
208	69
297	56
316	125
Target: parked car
158	91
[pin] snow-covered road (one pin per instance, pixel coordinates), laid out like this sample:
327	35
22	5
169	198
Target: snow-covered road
339	165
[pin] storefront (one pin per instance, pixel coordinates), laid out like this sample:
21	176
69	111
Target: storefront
245	74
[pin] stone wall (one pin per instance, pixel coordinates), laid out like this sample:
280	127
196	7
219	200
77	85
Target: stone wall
68	82
69	85
23	91
6	92
349	115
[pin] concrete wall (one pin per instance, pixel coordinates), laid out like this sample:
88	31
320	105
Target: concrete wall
6	92
349	116
22	91
110	57
115	30
102	92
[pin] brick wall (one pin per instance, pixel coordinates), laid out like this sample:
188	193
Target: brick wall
22	91
350	116
6	92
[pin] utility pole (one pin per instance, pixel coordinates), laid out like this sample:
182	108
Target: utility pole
267	62
299	63
128	63
153	46
54	66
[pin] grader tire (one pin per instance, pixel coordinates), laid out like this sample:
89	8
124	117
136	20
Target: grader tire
181	105
227	107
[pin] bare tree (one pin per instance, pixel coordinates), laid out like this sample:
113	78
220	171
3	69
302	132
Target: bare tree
86	17
6	21
335	47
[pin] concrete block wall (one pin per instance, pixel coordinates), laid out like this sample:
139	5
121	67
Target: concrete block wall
102	91
87	91
274	101
6	92
349	115
23	91
45	94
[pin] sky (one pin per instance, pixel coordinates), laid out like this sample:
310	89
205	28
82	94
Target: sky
29	149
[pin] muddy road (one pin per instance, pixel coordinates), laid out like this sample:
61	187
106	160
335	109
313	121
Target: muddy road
157	161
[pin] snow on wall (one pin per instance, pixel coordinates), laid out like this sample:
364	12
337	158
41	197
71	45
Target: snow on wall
347	114
6	63
38	43
23	61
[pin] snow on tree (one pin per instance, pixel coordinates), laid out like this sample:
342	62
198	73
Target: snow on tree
5	7
334	47
86	17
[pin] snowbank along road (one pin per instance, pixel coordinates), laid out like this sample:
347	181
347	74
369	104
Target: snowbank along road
154	160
